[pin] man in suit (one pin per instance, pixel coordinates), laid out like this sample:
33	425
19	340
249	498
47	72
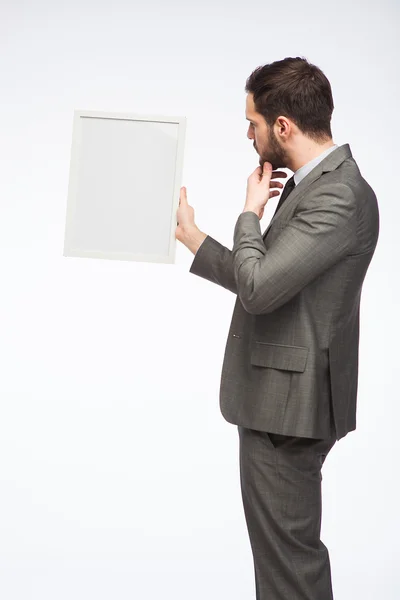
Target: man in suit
289	376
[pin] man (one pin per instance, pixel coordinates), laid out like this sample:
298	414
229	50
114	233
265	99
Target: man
289	377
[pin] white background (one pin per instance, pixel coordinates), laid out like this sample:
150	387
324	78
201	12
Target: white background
118	474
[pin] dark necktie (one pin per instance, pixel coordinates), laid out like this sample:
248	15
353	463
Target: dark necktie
290	185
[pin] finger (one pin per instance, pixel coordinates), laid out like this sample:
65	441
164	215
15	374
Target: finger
183	196
274	193
278	174
274	184
267	169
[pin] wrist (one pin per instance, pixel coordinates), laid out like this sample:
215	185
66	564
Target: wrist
249	209
193	238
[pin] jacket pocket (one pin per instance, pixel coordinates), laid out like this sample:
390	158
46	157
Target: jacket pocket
279	356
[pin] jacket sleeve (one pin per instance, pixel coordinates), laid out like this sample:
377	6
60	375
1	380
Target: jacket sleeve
213	261
321	232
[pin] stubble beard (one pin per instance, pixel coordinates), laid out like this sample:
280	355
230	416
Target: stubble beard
276	155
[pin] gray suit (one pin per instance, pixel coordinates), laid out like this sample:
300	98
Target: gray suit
291	358
289	376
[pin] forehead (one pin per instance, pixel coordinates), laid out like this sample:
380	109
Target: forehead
251	113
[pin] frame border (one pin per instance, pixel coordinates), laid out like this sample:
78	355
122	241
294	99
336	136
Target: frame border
69	250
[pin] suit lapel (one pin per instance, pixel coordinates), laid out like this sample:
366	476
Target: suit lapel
329	163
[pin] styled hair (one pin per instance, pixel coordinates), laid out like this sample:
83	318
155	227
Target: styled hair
296	89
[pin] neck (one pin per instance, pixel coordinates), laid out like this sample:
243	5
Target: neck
309	151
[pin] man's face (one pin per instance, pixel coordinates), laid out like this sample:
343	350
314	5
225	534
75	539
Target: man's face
264	139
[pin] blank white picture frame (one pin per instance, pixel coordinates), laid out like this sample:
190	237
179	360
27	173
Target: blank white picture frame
124	186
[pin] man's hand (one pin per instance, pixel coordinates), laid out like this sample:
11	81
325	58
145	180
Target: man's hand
259	186
187	231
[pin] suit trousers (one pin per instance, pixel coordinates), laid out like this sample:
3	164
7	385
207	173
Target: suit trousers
280	478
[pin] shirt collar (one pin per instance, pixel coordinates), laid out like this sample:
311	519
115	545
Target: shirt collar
305	169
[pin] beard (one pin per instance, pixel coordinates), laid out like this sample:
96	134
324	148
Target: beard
274	153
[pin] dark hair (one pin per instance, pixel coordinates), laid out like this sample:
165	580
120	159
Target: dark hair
297	89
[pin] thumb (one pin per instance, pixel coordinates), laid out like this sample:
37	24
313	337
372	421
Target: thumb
183	196
267	168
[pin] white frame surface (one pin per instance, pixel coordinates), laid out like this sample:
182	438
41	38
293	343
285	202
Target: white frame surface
71	226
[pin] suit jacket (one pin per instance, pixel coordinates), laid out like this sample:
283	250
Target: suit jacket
291	358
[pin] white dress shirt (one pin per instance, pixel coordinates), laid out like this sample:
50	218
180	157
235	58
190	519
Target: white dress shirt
305	169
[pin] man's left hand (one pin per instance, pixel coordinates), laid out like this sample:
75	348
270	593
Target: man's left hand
260	186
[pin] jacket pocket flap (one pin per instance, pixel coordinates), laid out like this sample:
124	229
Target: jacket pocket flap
278	356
